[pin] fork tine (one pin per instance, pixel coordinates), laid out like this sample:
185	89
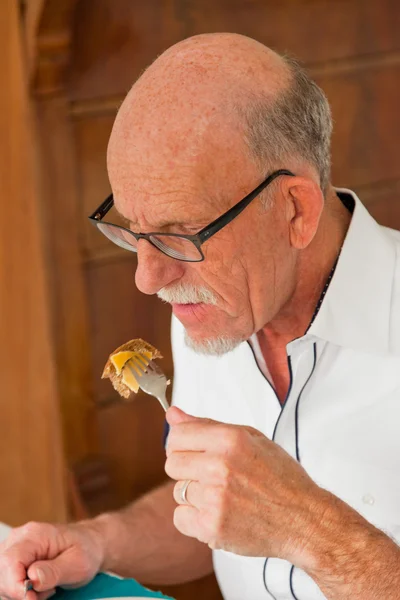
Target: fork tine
151	366
136	368
142	361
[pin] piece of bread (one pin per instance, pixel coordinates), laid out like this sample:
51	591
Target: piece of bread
122	377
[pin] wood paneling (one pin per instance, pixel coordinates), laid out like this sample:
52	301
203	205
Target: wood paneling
119	313
48	37
383	202
112	47
131	435
31	453
91	139
366	125
61	214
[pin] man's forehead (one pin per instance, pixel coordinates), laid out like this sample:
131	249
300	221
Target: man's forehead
188	177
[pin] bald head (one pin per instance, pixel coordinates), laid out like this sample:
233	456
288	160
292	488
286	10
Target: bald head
205	75
183	110
218	65
220	95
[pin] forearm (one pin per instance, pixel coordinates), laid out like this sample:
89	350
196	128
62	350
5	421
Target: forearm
352	558
141	541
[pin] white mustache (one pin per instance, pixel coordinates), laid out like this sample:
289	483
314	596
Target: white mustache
187	294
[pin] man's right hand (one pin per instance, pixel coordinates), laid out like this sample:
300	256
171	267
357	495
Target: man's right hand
49	555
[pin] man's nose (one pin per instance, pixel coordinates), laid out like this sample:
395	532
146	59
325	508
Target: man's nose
155	270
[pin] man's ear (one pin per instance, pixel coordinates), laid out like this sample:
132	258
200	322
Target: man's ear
304	206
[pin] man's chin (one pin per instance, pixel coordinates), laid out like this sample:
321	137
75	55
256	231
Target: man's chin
212	346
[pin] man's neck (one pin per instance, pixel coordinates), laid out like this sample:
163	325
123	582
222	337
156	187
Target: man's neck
314	268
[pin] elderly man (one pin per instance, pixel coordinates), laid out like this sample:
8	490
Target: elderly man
284	443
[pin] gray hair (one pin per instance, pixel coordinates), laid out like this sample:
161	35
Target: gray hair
297	123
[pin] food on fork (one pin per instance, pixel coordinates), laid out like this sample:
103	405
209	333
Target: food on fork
135	352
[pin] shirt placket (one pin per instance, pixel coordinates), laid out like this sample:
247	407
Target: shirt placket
302	357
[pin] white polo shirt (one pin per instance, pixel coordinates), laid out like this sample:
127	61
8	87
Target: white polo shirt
341	418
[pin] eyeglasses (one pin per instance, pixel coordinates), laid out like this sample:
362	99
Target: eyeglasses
181	247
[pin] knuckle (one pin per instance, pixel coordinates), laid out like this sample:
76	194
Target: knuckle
214	497
37	532
220	471
242	436
228	438
7	564
32	528
212	532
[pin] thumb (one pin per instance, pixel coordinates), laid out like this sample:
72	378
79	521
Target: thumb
175	416
49	574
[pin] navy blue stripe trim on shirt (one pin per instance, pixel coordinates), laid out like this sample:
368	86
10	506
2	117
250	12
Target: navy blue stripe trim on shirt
298	403
287	396
265	579
291	583
263	374
273	437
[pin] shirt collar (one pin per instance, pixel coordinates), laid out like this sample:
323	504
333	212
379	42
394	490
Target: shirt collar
356	311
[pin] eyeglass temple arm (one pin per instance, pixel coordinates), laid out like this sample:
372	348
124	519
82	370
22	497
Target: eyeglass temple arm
103	208
238	208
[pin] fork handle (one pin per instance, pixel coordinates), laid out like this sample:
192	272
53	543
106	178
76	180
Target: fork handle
163	401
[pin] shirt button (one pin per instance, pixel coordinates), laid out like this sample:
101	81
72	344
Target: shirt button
368	499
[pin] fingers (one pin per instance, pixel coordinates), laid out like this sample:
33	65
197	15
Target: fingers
32	595
49	556
175	415
45	595
13	576
193	493
199	436
186	520
189	465
51	573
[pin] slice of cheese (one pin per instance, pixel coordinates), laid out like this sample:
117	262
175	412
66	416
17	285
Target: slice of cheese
129	379
120	359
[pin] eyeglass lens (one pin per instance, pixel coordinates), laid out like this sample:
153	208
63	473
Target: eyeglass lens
174	246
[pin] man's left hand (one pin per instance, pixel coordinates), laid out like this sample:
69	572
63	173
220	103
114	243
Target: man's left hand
246	495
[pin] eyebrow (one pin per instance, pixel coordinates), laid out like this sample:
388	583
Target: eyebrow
182	224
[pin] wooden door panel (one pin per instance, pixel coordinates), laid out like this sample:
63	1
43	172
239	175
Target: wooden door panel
31	444
91	139
384	205
114	44
119	313
366	125
131	435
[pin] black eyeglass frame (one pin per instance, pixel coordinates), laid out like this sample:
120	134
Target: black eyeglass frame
201	236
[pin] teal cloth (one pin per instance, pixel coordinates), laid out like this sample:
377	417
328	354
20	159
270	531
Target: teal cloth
105	586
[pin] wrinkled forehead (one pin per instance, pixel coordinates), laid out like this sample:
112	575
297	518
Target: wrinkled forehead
177	149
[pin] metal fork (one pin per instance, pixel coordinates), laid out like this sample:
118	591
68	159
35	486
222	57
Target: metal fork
28	586
151	379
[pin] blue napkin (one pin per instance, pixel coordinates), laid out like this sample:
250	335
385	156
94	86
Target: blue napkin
106	586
